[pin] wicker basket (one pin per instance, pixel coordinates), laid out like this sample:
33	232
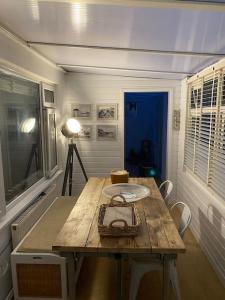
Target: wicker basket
111	229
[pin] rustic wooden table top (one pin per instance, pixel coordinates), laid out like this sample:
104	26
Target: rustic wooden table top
158	233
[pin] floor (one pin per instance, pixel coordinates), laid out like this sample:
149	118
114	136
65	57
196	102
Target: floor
198	281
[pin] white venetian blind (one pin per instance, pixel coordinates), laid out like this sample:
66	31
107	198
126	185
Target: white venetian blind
217	157
192	123
205	130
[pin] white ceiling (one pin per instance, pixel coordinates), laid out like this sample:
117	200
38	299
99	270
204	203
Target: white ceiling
118	26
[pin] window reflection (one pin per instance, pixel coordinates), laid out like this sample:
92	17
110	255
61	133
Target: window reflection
28	125
20	134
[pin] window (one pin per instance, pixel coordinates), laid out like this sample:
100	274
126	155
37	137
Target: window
48	95
21	138
50	136
205	130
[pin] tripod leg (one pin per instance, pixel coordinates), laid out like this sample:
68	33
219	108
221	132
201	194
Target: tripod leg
66	171
71	173
36	158
81	164
32	153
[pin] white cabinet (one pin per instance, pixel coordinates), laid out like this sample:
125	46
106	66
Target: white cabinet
5	273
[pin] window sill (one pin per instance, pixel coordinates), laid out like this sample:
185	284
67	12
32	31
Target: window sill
18	205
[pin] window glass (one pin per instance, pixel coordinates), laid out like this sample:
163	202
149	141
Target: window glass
49	96
20	126
195	98
52	141
210	92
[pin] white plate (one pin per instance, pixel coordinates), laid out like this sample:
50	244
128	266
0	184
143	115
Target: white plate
131	192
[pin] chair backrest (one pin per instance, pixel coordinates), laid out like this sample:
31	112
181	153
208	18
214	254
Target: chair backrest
167	187
185	217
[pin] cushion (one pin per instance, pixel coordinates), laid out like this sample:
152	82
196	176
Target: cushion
45	231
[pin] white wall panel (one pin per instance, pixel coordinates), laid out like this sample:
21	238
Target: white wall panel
208	209
100	157
20	59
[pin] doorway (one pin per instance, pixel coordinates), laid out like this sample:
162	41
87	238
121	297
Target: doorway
145	129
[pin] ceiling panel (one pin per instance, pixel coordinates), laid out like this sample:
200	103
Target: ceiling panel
125	73
108	25
123	59
168	29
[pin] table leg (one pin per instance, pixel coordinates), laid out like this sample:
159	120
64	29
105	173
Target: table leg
74	264
79	262
71	267
166	280
119	277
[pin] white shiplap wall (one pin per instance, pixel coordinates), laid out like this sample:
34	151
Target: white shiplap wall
18	57
100	158
208	210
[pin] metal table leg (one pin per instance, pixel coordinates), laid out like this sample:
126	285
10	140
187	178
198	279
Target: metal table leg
71	271
74	263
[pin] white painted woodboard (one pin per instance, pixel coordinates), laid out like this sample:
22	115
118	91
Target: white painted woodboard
100	157
208	209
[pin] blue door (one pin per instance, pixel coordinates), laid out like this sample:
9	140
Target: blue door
146	134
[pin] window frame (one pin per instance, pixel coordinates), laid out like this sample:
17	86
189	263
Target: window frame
48	87
5	207
218	71
46	113
2	186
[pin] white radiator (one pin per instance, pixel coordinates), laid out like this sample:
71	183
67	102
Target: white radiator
29	217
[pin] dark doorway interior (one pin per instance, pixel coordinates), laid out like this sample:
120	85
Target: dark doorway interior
146	134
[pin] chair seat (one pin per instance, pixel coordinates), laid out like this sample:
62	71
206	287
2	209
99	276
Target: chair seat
140	267
146	261
151	264
146	266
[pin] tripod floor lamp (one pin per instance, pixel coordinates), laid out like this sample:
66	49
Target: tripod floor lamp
70	130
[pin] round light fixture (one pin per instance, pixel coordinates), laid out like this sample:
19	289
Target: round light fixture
71	128
28	125
73	125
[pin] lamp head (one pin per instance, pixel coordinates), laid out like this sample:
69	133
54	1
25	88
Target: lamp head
71	128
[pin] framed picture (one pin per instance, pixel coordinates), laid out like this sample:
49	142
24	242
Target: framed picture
50	141
86	132
81	111
107	111
106	132
48	95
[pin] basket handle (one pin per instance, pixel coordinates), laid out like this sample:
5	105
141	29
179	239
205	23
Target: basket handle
118	195
118	220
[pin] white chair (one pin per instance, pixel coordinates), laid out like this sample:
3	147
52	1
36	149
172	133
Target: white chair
165	189
140	267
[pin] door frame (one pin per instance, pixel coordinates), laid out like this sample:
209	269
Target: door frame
169	144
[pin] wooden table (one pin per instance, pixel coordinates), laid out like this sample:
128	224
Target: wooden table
158	233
